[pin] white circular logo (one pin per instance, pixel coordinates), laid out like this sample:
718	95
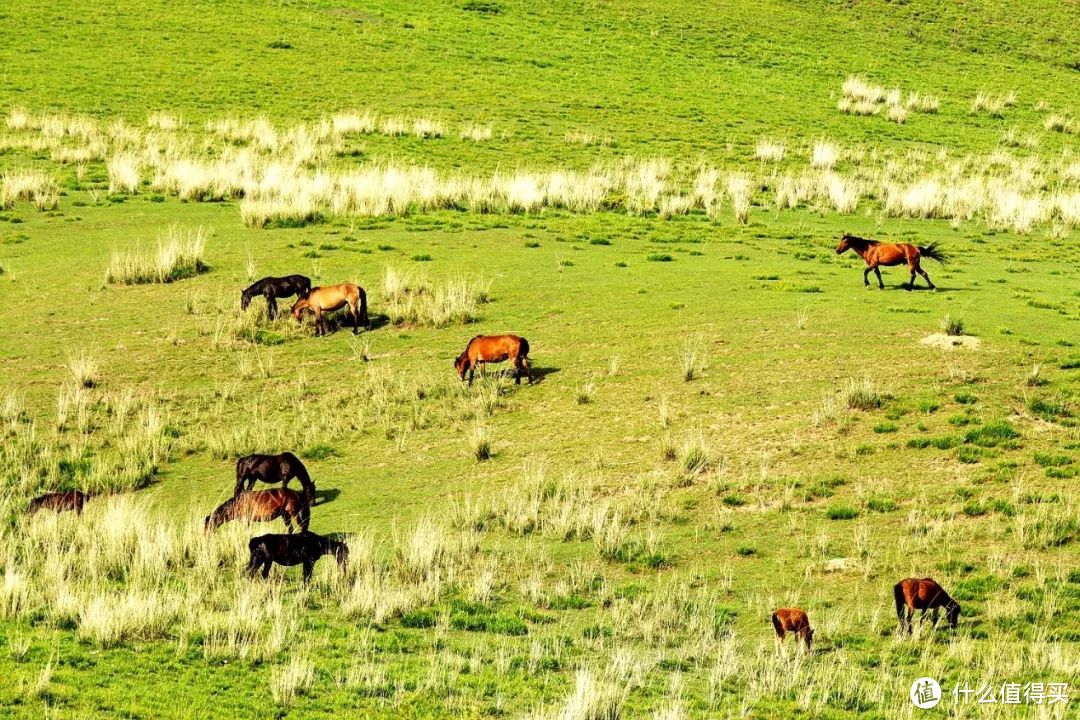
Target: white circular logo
925	693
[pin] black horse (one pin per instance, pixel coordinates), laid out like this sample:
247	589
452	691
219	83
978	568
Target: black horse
302	549
271	469
272	288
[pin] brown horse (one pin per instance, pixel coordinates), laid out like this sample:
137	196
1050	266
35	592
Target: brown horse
792	620
302	549
330	298
876	254
59	502
495	349
262	506
924	594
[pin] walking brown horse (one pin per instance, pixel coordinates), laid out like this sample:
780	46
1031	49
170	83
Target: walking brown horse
330	298
59	502
262	506
495	349
924	594
271	469
795	621
302	549
875	254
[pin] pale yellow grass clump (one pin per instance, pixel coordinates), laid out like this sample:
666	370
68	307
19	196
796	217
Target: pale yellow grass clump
1059	123
769	150
33	185
428	128
825	155
645	182
179	255
123	169
413	300
18	119
161	120
740	190
476	132
353	122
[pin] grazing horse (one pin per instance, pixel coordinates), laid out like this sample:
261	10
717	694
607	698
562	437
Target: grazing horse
876	254
305	548
792	620
59	502
334	297
494	349
262	505
272	288
271	469
924	594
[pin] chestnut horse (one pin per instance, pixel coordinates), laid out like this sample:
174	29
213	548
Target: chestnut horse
302	549
876	254
333	297
271	469
495	349
795	621
59	502
262	505
272	288
924	594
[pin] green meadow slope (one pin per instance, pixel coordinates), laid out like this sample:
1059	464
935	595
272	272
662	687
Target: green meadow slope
724	421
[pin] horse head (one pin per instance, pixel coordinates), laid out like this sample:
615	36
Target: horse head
461	363
245	300
845	244
298	308
952	613
809	638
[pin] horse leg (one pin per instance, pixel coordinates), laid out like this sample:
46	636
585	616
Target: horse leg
308	567
918	269
355	319
472	372
866	277
528	368
266	568
517	370
881	284
239	485
271	307
910	616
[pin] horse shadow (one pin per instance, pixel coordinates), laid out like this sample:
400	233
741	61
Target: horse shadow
343	321
326	495
539	373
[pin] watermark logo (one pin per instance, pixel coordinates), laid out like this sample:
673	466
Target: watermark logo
925	693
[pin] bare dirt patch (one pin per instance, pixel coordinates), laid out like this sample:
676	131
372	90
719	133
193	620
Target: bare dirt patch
951	342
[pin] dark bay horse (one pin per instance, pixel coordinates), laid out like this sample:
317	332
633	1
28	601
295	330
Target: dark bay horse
302	549
262	506
924	594
876	254
795	621
494	349
59	502
330	298
271	469
272	288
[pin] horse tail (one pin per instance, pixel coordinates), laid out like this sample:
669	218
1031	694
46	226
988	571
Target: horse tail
523	350
934	253
901	602
363	306
777	625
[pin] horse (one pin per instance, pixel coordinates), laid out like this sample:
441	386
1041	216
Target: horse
924	594
495	349
262	505
272	288
876	254
273	468
59	502
795	621
305	548
330	298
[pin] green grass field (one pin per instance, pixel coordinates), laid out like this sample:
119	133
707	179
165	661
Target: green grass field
724	420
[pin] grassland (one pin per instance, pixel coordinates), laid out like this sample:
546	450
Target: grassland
725	420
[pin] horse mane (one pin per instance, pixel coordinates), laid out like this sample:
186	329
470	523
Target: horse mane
859	242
